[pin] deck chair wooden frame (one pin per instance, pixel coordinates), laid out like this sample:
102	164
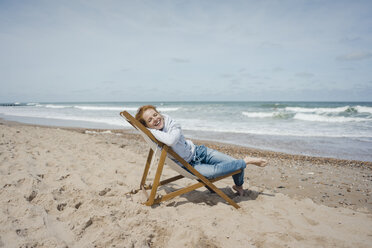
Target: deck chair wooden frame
165	153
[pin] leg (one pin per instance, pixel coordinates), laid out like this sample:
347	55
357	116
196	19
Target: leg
205	181
215	164
214	156
219	158
211	163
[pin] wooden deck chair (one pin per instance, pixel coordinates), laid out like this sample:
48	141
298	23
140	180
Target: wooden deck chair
165	153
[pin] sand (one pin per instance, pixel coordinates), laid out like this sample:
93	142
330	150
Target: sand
64	187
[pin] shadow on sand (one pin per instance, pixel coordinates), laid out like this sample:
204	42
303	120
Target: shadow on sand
207	197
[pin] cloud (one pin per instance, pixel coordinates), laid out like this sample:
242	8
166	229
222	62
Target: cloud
234	83
348	68
355	56
180	60
108	82
226	75
348	39
304	75
129	45
278	69
270	45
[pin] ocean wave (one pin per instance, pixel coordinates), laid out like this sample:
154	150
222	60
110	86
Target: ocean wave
273	105
363	109
101	108
160	109
279	115
320	110
281	132
116	121
89	108
55	106
193	123
32	104
258	114
322	118
167	109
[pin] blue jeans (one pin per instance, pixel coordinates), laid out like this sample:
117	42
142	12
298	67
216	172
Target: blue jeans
211	164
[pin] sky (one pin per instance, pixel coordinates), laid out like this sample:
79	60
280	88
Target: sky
204	50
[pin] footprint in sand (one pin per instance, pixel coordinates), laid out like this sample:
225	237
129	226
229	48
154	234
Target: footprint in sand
21	232
104	192
31	196
310	221
61	206
77	206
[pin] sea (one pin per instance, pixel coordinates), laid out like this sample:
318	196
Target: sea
325	129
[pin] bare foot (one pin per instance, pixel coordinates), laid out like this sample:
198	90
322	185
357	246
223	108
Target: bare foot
256	161
239	190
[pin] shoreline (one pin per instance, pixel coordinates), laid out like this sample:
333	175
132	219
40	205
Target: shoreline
340	130
222	145
240	149
66	187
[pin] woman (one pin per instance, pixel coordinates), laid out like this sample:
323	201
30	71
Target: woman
208	162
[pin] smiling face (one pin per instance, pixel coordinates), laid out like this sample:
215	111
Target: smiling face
153	119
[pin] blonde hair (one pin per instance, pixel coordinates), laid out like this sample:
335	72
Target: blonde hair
141	110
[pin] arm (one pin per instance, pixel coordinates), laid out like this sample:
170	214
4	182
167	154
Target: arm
169	138
171	132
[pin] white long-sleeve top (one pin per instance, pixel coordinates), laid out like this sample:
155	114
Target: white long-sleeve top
172	136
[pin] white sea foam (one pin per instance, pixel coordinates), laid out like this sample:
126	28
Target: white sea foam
277	132
109	108
279	115
101	108
259	114
322	118
317	110
161	109
56	106
167	109
363	109
129	109
115	120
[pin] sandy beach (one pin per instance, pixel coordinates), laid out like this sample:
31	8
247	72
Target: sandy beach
65	187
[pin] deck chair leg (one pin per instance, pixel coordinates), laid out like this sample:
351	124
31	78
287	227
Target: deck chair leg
214	188
204	180
159	170
217	190
147	167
